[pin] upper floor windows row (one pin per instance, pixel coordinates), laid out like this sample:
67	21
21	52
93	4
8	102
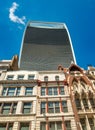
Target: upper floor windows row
46	78
20	77
52	91
9	126
55	125
27	125
54	107
15	91
10	108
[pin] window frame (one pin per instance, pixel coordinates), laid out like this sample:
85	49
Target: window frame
64	106
31	77
20	77
27	109
9	77
28	91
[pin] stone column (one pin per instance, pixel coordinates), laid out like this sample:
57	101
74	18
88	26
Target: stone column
19	107
16	126
22	92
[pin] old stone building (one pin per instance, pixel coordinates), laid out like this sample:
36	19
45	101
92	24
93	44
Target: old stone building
47	100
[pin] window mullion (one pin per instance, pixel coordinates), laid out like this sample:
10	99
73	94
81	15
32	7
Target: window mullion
11	108
7	126
6	92
15	91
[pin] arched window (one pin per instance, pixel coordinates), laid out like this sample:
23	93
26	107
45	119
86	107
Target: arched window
46	78
57	78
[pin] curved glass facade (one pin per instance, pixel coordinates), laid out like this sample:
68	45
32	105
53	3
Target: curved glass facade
45	46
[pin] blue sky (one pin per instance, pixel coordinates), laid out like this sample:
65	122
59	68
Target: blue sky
79	16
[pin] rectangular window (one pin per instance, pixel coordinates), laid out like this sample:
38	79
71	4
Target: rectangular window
55	125
31	77
50	107
91	123
43	107
49	91
57	108
24	126
52	91
29	91
78	104
10	126
43	91
55	91
53	107
10	77
4	126
14	108
20	77
83	123
27	106
85	103
64	106
11	91
43	126
62	91
68	125
7	108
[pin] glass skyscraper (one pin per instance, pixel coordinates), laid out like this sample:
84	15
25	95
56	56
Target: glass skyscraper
45	46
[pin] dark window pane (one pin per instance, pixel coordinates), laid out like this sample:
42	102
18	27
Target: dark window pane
43	107
64	106
18	91
43	126
10	126
62	90
14	108
20	77
27	108
28	91
6	108
85	103
55	91
68	125
4	91
49	91
78	104
24	126
2	126
30	77
11	91
50	107
43	91
10	77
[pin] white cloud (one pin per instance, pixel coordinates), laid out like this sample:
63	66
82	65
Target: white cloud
13	17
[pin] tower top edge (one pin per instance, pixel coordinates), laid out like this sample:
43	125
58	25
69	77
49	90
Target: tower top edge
50	25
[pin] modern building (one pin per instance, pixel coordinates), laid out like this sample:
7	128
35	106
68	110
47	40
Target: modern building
58	99
45	46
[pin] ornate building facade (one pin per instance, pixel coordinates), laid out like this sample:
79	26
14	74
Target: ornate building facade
47	100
